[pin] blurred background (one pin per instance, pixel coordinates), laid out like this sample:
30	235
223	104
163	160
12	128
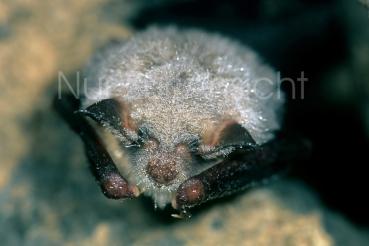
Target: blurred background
48	196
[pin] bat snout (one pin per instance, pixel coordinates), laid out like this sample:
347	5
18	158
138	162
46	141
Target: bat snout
162	171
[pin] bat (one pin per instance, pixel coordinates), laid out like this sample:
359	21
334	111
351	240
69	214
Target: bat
181	116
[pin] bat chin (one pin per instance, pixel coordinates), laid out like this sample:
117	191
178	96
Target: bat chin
161	194
162	198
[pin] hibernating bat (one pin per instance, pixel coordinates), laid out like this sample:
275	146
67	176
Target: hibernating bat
182	116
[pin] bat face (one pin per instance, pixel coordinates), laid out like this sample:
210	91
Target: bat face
158	160
171	104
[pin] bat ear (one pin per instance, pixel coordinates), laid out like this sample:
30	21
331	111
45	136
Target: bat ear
227	135
110	113
234	134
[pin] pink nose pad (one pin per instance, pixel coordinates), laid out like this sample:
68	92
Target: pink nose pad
162	172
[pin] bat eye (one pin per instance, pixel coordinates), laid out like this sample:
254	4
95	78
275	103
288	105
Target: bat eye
193	145
145	139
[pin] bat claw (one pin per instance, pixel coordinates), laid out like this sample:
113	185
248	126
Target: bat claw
183	214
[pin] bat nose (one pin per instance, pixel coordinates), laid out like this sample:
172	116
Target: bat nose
162	171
